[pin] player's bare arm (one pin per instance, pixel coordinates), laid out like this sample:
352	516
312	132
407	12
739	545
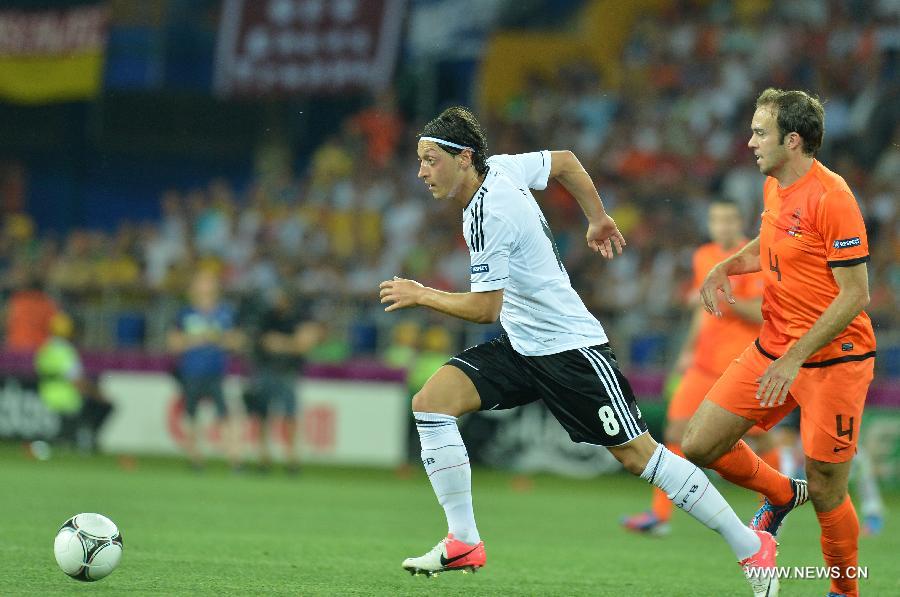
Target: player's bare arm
477	307
602	233
852	298
745	261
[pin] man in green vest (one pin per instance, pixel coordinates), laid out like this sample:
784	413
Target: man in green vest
66	390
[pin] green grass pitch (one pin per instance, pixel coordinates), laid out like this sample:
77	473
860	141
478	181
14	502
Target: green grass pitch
345	531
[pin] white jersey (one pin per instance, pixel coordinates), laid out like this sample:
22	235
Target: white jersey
512	248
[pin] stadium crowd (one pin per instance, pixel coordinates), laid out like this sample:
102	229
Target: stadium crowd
660	144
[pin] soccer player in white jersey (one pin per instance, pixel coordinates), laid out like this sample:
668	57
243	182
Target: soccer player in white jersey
552	348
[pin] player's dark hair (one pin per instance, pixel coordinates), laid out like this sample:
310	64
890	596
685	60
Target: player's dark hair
798	112
458	125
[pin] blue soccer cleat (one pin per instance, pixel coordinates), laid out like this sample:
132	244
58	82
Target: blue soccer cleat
769	517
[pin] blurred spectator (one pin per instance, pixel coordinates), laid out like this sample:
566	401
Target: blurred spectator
661	129
28	316
402	350
283	335
381	126
436	349
331	162
65	388
204	332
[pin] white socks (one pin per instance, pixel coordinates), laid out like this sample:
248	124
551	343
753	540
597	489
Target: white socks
690	490
447	464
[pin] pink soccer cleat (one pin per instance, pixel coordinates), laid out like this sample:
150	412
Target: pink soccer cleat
449	554
760	567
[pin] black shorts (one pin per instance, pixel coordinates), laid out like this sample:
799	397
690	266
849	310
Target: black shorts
196	389
271	392
583	388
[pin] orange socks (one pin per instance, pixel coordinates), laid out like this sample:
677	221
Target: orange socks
840	544
743	467
772	458
661	505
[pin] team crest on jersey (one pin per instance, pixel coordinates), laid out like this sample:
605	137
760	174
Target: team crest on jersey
847	242
481	268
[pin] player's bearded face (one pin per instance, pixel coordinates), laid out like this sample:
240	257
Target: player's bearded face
766	142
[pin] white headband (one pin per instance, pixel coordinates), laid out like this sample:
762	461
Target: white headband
447	143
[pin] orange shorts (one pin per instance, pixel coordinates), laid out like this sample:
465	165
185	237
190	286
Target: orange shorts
693	387
831	401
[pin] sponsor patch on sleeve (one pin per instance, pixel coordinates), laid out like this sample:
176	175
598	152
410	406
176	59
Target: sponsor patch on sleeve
847	242
484	268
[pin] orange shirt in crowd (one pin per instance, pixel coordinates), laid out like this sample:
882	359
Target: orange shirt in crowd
28	320
807	229
382	130
720	340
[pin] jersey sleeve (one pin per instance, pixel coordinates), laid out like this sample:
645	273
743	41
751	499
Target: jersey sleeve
491	242
531	169
842	228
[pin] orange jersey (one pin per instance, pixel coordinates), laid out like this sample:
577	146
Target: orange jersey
808	228
721	340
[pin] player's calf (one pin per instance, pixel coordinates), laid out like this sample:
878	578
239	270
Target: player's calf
635	455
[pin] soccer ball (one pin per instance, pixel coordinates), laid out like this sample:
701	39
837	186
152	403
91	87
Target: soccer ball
88	547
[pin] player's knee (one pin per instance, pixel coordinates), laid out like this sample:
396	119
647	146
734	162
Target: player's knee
694	448
825	497
421	402
826	489
702	447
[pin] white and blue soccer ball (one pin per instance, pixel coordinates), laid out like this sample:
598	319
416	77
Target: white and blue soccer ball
88	547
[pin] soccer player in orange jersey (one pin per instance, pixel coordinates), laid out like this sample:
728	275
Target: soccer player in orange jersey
816	348
710	346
